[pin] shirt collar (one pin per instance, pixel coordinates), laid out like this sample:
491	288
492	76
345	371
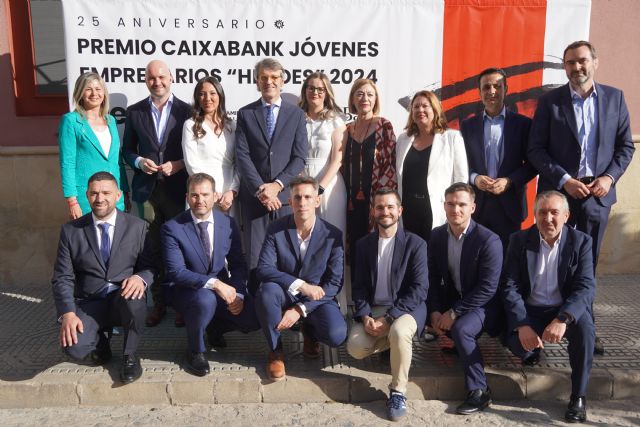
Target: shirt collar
501	115
555	244
277	103
197	221
575	95
111	220
464	233
310	233
168	104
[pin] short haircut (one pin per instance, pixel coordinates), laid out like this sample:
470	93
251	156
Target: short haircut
578	44
101	176
304	179
493	70
357	85
546	195
439	118
84	80
386	190
199	178
268	64
460	186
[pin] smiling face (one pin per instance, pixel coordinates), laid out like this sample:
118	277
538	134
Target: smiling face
208	98
158	80
492	92
304	200
364	99
102	196
315	94
580	66
270	84
551	215
200	198
93	95
386	210
422	111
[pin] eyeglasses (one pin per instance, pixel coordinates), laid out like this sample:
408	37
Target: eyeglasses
266	79
319	90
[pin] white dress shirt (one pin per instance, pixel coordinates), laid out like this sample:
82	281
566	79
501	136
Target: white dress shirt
545	291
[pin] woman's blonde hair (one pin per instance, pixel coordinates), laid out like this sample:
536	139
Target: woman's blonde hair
439	119
82	82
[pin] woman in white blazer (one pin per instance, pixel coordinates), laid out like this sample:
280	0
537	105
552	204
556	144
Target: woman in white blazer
430	157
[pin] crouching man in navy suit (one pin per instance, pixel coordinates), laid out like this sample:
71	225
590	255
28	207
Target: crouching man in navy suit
103	265
389	293
548	288
300	270
209	294
465	261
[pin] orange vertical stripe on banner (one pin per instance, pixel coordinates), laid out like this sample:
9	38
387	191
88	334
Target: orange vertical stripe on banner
479	34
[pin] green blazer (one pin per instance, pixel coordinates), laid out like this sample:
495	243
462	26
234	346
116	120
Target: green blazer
81	156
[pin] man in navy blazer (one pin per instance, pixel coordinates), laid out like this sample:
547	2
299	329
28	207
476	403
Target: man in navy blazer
547	288
300	272
211	295
389	293
101	271
271	145
152	146
581	144
496	144
465	260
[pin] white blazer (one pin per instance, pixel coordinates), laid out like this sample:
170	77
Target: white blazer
447	165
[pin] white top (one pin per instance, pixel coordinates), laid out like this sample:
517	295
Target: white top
383	294
212	154
104	137
447	165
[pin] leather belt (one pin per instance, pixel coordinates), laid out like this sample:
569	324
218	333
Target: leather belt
587	179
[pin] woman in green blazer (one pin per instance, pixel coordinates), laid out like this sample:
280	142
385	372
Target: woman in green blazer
89	143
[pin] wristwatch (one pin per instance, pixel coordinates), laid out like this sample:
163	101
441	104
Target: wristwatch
564	318
389	319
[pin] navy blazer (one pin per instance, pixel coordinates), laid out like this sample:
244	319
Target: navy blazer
323	263
554	148
514	163
186	262
140	141
262	161
79	271
480	266
409	276
575	273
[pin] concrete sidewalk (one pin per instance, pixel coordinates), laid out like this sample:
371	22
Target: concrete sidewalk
34	372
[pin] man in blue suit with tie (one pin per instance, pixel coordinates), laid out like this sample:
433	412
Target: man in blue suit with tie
152	147
389	293
300	272
465	261
548	289
271	145
581	144
210	294
496	144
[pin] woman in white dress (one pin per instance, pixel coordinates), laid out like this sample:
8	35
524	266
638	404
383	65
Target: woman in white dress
208	142
325	128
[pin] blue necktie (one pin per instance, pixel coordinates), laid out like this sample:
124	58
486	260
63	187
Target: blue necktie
105	243
204	238
271	120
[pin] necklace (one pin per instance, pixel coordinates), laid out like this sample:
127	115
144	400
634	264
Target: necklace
360	193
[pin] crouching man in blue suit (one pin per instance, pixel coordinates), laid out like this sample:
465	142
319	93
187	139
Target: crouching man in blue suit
300	270
548	288
465	261
210	295
389	293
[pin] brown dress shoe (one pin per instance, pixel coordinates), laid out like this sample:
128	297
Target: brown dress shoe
275	365
156	315
179	322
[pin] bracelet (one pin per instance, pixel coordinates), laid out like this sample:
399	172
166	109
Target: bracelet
72	203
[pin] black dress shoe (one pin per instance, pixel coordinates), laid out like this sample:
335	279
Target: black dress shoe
533	359
216	340
130	369
476	401
197	364
577	410
100	356
598	347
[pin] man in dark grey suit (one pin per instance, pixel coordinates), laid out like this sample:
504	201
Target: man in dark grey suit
581	144
99	279
152	146
271	145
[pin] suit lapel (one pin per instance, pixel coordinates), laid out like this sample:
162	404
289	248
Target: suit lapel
218	235
479	128
118	233
283	116
259	115
90	232
192	233
147	123
88	134
318	236
373	260
564	255
292	235
601	100
396	260
532	249
171	121
569	114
